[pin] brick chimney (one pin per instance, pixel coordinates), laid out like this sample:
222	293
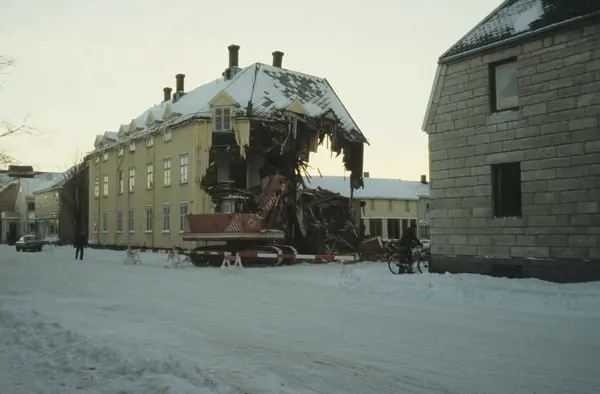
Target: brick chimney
277	59
234	55
424	179
167	93
179	87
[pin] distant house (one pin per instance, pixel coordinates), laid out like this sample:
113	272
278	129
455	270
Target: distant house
390	205
17	203
514	141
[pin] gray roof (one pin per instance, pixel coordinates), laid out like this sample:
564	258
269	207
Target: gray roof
514	19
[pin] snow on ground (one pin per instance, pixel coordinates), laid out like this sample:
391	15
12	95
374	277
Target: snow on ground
98	326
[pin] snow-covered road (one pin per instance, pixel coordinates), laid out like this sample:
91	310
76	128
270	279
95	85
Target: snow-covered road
99	326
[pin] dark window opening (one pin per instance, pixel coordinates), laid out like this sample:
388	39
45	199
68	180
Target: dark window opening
393	228
31	206
375	228
504	87
506	189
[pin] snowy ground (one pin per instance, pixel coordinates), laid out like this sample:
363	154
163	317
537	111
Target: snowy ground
99	326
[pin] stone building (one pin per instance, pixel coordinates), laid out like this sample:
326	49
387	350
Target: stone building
514	141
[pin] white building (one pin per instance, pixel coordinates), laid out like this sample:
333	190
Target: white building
390	205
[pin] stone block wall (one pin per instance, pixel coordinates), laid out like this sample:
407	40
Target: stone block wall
555	135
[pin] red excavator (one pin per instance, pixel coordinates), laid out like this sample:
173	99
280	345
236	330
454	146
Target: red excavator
257	232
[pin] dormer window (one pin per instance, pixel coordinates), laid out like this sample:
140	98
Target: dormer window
222	119
120	151
149	142
105	156
132	146
97	159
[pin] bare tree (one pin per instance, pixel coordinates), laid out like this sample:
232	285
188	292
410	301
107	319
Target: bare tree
8	128
74	197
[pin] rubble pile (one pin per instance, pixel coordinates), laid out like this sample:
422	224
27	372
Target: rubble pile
330	222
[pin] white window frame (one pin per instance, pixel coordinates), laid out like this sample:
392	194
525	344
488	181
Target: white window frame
182	215
105	155
131	180
149	142
120	151
132	146
167	171
105	185
97	186
168	135
183	168
120	182
104	221
148	216
97	159
96	219
131	219
119	221
166	218
223	118
149	175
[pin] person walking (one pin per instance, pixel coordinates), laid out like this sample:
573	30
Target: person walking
80	243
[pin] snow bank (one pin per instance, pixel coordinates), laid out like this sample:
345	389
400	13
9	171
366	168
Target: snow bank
524	295
60	360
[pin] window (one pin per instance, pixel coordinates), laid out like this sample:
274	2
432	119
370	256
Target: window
132	146
504	86
375	227
166	218
167	172
131	179
407	206
183	211
183	168
31	206
222	119
105	186
97	159
149	175
131	218
393	228
104	221
105	156
390	205
506	189
97	186
96	222
120	182
149	142
120	151
227	206
148	219
372	205
167	135
119	220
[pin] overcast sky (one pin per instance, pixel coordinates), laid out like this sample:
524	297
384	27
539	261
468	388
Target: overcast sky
85	67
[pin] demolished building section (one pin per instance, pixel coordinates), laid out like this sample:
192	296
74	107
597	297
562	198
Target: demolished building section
253	124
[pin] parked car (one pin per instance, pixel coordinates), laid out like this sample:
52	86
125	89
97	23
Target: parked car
29	243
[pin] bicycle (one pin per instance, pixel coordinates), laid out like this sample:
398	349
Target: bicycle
398	262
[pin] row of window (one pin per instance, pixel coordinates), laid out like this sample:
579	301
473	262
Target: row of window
395	227
148	219
121	149
183	177
222	121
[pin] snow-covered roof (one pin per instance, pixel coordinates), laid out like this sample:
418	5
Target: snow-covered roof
373	187
260	90
514	18
40	182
